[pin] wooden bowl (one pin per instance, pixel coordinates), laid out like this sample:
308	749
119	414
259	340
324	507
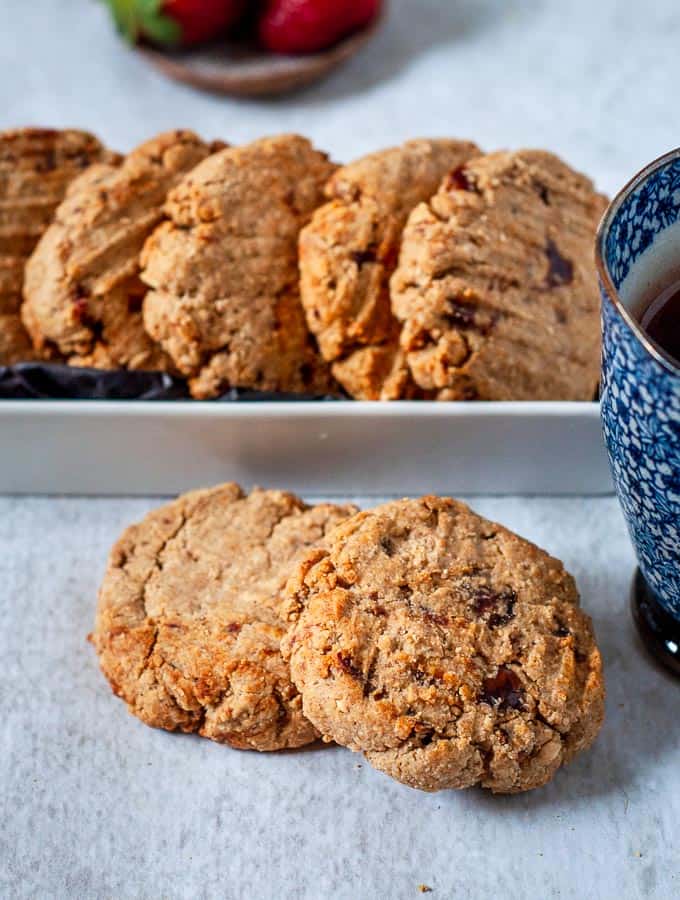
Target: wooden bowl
248	71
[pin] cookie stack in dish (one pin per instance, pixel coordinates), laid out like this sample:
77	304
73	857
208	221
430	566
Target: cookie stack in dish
447	649
426	271
439	272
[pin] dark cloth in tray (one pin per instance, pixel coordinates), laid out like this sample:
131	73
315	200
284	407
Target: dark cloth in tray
49	381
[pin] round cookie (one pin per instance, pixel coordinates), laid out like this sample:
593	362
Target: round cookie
449	650
224	300
349	251
188	624
36	166
496	286
82	289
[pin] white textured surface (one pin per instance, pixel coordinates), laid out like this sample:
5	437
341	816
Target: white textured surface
92	803
98	805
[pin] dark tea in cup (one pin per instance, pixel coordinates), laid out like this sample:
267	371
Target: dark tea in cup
659	318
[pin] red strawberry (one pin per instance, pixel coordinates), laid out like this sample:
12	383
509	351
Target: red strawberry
173	23
305	26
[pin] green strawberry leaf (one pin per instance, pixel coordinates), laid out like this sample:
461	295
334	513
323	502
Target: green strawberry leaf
144	18
124	14
162	30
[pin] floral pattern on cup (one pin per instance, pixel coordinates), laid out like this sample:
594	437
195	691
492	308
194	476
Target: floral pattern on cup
641	421
640	394
647	211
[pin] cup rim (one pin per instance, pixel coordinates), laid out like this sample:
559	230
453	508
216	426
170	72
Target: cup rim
654	349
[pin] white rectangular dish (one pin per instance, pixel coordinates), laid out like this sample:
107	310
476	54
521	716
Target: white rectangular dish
123	447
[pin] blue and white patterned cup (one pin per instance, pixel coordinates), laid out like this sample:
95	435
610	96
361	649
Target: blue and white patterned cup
639	241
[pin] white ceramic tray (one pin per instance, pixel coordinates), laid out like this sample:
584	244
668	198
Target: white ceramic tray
104	447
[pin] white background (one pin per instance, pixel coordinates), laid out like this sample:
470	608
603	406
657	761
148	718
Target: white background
92	803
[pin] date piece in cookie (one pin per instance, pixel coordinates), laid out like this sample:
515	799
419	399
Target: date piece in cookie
349	251
224	300
82	288
496	286
447	649
36	167
188	625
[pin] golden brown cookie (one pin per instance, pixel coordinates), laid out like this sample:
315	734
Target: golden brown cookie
82	288
349	251
188	624
449	650
225	301
36	166
496	286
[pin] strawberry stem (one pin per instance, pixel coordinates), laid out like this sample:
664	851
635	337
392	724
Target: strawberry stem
138	19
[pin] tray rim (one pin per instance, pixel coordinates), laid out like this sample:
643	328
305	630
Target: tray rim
422	409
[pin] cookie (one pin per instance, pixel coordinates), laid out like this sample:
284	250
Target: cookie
82	289
496	287
224	300
188	625
447	649
349	251
36	166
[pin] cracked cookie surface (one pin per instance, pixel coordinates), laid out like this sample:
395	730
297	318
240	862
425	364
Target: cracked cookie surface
188	624
349	251
447	649
82	288
223	270
496	287
36	167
